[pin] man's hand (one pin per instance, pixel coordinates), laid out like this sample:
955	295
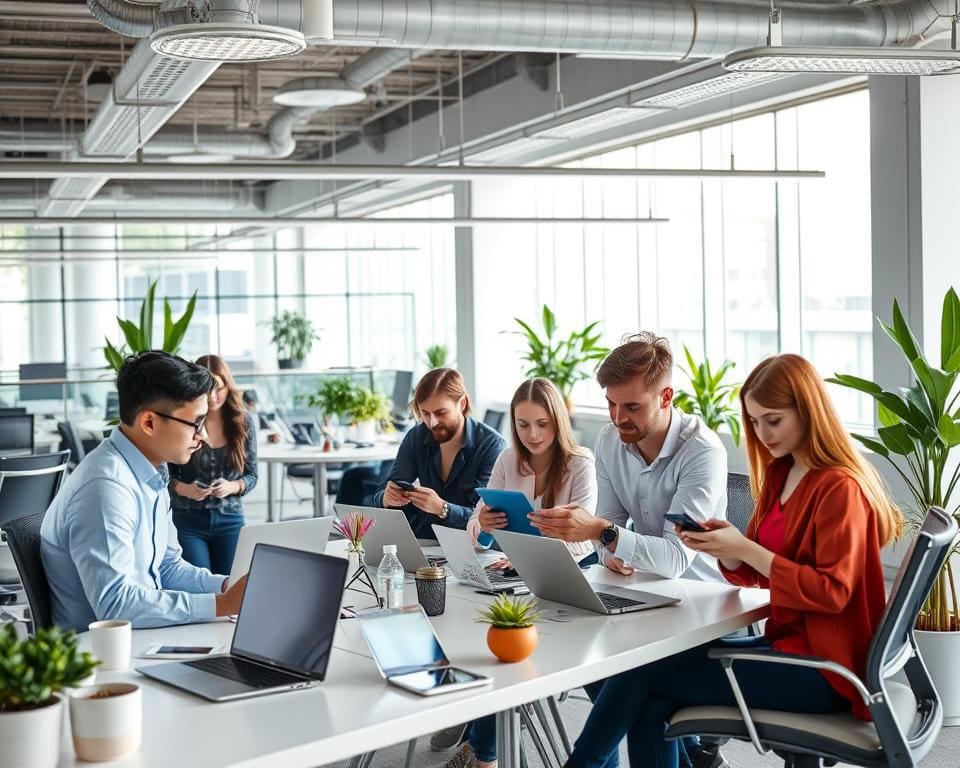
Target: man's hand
228	603
569	522
191	491
491	520
427	500
617	565
221	488
393	496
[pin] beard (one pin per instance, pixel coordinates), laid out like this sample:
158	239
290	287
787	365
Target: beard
442	435
632	434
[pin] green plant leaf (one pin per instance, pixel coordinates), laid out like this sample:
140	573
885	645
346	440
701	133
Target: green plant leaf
887	417
902	334
175	331
855	382
949	431
872	444
950	332
896	439
146	318
112	355
936	384
549	321
132	335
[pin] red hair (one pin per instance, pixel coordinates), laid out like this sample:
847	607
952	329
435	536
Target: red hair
791	382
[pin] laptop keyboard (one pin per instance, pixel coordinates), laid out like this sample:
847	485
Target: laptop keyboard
496	577
240	671
615	601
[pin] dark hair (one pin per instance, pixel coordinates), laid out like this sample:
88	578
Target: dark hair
234	412
158	379
441	381
643	355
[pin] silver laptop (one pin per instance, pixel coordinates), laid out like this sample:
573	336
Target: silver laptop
284	635
462	559
408	653
547	568
308	535
390	527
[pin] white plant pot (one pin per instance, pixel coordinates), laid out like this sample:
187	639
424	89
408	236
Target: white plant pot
31	739
366	431
940	651
106	728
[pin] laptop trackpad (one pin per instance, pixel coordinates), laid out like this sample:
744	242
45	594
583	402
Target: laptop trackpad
196	681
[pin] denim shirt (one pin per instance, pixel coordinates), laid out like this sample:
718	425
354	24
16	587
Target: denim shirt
110	549
206	465
419	458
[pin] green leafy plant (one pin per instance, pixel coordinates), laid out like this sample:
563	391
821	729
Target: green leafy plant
712	397
33	670
293	335
564	361
437	356
510	612
921	427
334	397
368	405
139	338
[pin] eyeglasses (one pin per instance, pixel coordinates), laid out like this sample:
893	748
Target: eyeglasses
197	424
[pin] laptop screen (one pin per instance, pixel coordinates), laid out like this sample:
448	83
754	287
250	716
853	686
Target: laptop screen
402	640
290	609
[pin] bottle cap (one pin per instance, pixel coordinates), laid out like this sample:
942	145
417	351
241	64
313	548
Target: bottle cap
389	549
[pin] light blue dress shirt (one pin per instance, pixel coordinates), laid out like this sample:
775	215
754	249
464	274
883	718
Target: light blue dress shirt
110	549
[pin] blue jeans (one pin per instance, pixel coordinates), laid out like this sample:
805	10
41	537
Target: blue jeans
209	538
482	734
639	704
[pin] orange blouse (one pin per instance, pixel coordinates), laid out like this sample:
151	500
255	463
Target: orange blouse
827	591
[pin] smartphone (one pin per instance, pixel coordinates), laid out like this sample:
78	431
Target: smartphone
180	651
442	680
404	485
685	522
201	484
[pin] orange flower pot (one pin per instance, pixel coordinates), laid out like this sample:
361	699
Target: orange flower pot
512	644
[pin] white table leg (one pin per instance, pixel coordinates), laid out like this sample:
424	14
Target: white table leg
319	489
508	739
271	491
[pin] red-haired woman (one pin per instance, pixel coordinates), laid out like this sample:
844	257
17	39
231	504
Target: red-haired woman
822	516
205	493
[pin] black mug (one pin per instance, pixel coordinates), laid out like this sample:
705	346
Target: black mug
432	590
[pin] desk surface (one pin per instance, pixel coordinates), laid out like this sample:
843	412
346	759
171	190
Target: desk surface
355	711
309	454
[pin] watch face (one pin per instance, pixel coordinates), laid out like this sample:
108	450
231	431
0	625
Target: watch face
609	535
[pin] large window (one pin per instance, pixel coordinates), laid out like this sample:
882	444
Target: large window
743	269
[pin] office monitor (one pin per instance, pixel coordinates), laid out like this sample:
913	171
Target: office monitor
402	391
30	371
16	433
113	406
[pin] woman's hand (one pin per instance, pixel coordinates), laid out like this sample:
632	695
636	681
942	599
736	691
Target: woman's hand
724	541
221	488
500	565
191	491
491	520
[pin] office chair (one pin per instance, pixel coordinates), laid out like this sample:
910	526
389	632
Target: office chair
493	418
72	440
23	538
27	486
311	428
906	717
740	504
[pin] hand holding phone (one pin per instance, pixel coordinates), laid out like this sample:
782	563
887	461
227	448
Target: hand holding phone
685	522
404	485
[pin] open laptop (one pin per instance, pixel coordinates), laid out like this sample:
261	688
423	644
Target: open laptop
462	559
390	527
284	632
308	535
547	568
408	653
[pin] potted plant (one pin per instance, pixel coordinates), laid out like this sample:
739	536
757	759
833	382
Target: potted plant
294	335
333	397
513	626
564	361
32	672
367	408
139	338
436	356
106	721
920	428
712	397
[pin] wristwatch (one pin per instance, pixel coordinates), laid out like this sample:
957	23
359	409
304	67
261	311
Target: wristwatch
609	535
445	511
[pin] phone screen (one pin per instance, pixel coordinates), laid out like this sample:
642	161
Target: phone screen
405	485
438	678
195	650
685	522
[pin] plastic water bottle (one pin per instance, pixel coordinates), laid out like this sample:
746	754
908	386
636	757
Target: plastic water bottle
390	578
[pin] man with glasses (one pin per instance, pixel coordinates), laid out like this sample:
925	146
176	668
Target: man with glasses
108	542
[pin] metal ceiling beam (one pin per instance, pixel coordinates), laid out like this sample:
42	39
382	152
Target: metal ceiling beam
252	221
25	169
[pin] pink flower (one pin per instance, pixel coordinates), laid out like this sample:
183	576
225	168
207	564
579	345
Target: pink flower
354	527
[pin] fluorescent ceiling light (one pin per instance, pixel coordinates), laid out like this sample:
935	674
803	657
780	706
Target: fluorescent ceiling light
47	169
859	61
598	121
287	221
133	254
193	158
723	84
227	42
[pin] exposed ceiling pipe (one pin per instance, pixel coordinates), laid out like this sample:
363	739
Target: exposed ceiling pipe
125	18
153	197
671	28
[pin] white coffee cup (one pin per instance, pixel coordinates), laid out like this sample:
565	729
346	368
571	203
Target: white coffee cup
110	641
106	721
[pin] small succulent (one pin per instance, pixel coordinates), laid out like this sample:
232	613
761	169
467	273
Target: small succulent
33	670
506	612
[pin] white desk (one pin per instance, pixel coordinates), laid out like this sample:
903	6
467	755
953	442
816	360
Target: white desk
355	711
285	453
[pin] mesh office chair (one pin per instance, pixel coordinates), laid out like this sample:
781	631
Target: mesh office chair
72	441
23	538
906	717
493	418
27	486
740	502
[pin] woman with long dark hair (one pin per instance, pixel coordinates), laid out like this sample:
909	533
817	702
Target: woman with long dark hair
205	492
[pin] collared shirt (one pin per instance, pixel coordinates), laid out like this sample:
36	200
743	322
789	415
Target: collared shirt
688	475
110	549
419	459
